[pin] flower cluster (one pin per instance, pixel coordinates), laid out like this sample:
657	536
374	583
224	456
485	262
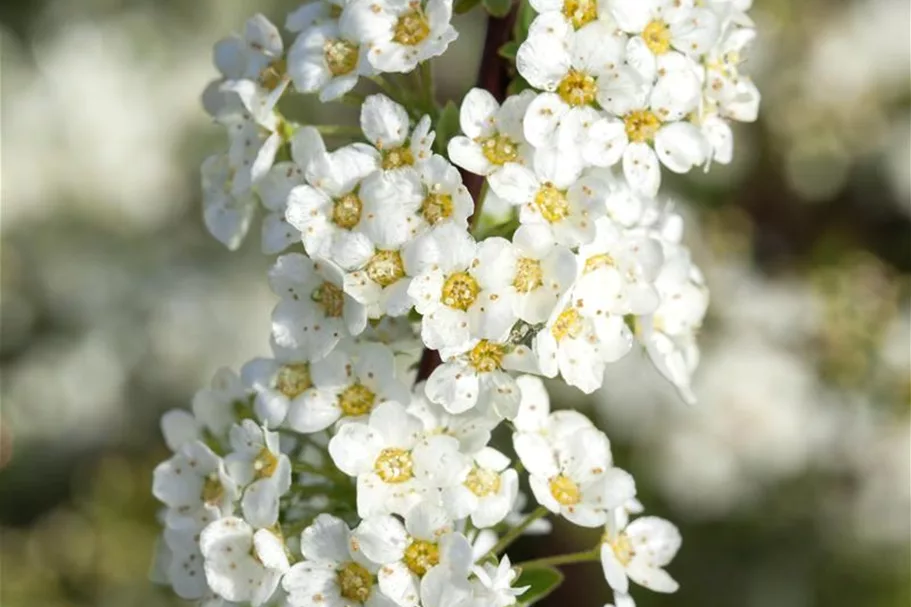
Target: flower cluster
348	469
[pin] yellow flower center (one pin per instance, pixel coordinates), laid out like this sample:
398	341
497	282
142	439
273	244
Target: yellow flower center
486	356
265	463
580	12
499	149
552	203
482	482
385	268
421	556
622	547
529	275
568	324
397	157
273	74
354	582
394	465
346	211
212	489
578	88
436	207
565	491
598	261
341	56
460	290
293	380
657	37
331	298
411	28
641	125
356	400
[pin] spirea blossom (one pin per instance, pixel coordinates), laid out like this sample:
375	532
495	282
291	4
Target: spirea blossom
360	462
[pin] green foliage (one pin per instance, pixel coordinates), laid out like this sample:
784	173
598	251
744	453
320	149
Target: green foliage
463	6
447	126
541	582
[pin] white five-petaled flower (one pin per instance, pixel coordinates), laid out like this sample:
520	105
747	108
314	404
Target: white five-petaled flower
257	58
618	271
639	551
487	493
314	313
574	475
463	292
258	464
544	271
535	416
401	33
385	124
472	428
275	189
409	552
494	583
347	385
328	57
493	135
242	564
335	571
216	408
396	467
194	482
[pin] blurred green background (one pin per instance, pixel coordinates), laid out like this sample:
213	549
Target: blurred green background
790	479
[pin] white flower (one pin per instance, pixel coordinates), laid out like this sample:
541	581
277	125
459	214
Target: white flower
732	93
664	27
256	57
472	428
385	124
242	565
446	585
216	408
395	467
409	551
487	493
178	427
329	209
401	33
184	568
493	134
258	464
334	569
310	14
638	552
275	188
463	293
618	271
280	384
347	385
573	476
544	271
669	334
552	196
314	313
328	57
194	482
494	583
655	130
253	142
227	216
579	13
479	378
578	341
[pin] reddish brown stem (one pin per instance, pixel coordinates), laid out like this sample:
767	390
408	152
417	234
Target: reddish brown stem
494	77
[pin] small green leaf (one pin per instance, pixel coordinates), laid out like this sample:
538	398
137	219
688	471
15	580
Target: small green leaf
524	17
541	582
509	50
498	8
447	126
517	85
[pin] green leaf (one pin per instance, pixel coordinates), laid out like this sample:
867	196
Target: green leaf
447	126
541	582
517	85
524	17
498	8
463	6
509	50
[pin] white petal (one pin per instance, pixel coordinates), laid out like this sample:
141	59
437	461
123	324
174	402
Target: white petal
384	122
641	169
